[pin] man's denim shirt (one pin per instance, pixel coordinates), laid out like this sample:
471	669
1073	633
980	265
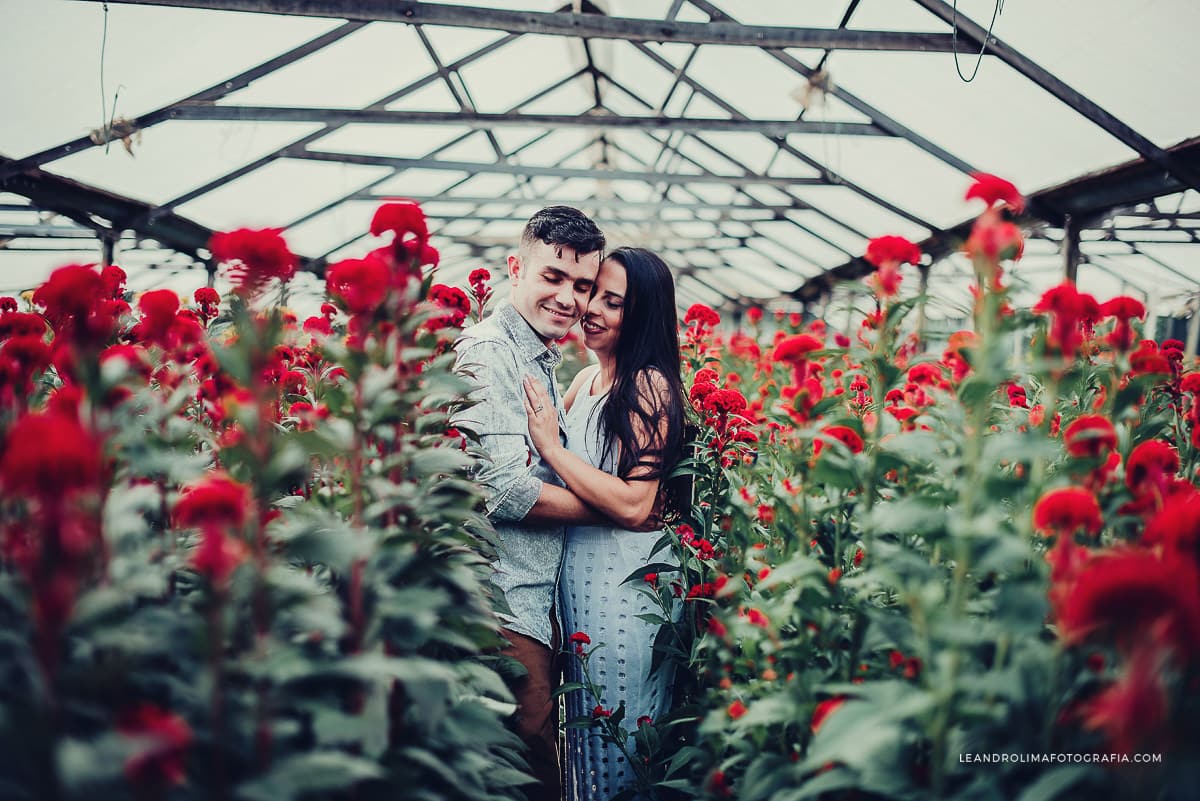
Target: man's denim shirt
495	353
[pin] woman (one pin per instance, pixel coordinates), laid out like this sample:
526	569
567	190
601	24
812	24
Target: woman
625	431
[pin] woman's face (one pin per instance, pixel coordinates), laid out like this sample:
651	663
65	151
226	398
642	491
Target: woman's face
602	321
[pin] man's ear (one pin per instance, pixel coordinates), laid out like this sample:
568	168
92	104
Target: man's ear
514	267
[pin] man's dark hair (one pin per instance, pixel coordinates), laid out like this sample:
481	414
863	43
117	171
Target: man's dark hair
565	227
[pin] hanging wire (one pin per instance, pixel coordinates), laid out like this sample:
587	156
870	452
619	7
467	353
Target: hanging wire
979	60
103	94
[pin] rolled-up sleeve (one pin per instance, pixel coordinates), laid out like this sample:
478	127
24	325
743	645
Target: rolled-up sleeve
498	417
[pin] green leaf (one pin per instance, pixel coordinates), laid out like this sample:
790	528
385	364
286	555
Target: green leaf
307	774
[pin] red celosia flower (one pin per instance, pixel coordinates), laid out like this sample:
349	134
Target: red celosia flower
360	284
1017	397
1147	360
580	637
925	374
736	710
1066	510
403	219
701	314
1124	309
21	357
795	349
15	324
1177	525
160	757
74	302
214	500
600	712
1091	436
218	555
1129	593
716	627
455	303
1068	307
724	401
992	189
48	456
824	709
995	239
112	278
1132	711
701	390
158	309
843	434
757	618
8	304
894	249
706	374
754	315
206	295
1190	383
1149	466
256	257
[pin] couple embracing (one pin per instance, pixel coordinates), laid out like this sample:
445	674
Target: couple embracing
574	482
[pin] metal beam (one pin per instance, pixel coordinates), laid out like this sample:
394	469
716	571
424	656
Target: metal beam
371	116
212	93
595	26
560	172
972	32
594	203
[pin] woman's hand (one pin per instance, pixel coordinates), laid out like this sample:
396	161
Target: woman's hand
543	417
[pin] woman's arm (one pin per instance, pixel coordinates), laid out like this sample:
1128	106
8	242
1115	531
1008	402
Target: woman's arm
626	501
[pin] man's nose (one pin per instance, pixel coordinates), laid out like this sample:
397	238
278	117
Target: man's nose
566	298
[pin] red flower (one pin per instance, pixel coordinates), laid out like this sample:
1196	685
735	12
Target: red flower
1177	524
206	296
455	303
995	240
74	302
600	712
318	325
754	315
218	555
1069	307
1133	710
1066	510
15	324
1150	465
926	374
1147	360
48	456
1131	594
580	637
701	314
992	190
824	709
795	349
256	257
163	740
158	309
757	618
21	357
724	401
112	278
1190	383
843	434
892	249
1124	309
360	284
214	500
8	304
403	218
716	627
1091	436
736	710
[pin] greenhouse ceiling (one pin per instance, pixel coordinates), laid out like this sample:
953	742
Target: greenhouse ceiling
757	144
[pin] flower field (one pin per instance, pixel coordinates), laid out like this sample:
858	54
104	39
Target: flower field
243	556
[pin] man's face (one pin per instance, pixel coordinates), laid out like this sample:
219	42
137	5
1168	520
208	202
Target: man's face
551	286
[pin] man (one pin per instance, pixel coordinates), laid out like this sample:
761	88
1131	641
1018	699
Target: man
551	275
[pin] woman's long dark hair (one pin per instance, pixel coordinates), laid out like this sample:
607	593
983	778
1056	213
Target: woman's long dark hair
647	344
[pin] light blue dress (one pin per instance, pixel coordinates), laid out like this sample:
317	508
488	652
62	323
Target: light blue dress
593	600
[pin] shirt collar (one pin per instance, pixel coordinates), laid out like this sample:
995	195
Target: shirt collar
529	344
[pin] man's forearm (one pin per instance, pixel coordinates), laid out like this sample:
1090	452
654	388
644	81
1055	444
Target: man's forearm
556	505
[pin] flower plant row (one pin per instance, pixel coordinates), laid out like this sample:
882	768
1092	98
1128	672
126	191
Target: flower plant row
242	556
